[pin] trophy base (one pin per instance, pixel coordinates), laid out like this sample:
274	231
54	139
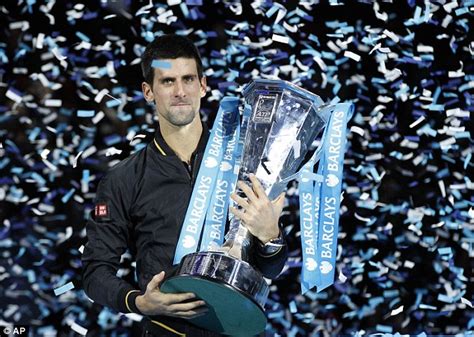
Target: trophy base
234	292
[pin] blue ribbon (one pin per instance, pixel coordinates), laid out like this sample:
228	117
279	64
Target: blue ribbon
320	203
214	225
207	179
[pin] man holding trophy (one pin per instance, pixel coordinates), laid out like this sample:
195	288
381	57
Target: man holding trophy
149	201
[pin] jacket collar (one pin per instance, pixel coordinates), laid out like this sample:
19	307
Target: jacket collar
160	146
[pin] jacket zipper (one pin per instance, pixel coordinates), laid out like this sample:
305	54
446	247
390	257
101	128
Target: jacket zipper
190	171
193	169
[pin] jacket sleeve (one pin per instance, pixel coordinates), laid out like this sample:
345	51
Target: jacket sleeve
107	239
271	265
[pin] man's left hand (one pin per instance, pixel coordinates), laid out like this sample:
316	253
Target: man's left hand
258	213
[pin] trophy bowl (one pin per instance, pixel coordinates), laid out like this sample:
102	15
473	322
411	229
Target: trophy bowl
282	123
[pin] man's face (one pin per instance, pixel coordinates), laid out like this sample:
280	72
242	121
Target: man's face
177	91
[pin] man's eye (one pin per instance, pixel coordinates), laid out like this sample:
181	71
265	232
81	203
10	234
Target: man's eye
189	79
167	81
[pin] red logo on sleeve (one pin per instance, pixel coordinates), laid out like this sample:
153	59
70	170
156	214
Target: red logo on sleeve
101	210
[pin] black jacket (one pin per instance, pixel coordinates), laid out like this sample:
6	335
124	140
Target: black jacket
140	205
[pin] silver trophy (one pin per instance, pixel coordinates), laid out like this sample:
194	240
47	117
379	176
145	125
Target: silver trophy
284	123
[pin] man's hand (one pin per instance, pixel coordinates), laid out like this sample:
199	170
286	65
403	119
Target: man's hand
259	214
154	302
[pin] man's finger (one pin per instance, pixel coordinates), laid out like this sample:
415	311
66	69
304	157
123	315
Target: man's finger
156	281
176	298
187	306
238	213
279	202
249	193
239	200
192	313
257	186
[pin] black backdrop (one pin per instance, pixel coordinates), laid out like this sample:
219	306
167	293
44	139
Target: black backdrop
406	231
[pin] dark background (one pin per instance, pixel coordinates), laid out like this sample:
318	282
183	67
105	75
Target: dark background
407	221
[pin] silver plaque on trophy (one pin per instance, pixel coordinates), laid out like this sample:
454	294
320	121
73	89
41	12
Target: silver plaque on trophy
283	125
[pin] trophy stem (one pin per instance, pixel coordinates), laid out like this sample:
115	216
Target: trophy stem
238	242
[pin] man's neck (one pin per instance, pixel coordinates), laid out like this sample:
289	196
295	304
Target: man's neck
182	140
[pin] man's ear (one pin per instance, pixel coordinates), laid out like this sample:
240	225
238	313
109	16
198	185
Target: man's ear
203	86
147	92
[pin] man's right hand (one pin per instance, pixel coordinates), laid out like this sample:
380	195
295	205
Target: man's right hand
155	302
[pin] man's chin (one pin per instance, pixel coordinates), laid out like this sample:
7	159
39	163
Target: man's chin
184	110
181	121
185	107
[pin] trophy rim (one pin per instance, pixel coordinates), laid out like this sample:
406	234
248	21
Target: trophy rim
302	91
216	319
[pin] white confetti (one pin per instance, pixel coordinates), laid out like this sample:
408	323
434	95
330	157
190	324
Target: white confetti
375	156
409	264
454	74
446	144
74	163
442	188
39	41
357	130
98	117
111	69
446	21
53	103
466	301
352	55
86	153
98	98
471	213
64	236
333	47
79	329
48	119
376	47
380	15
358	217
342	278
112	151
418	121
135	317
396	311
391	35
449	6
58	55
290	28
13	96
424	49
24	25
280	38
50	165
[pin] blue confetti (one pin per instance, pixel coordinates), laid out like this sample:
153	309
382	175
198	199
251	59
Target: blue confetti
161	64
61	290
85	113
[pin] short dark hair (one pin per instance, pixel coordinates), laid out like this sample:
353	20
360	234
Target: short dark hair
169	46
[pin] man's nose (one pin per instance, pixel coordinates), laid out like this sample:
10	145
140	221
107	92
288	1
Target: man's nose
179	89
